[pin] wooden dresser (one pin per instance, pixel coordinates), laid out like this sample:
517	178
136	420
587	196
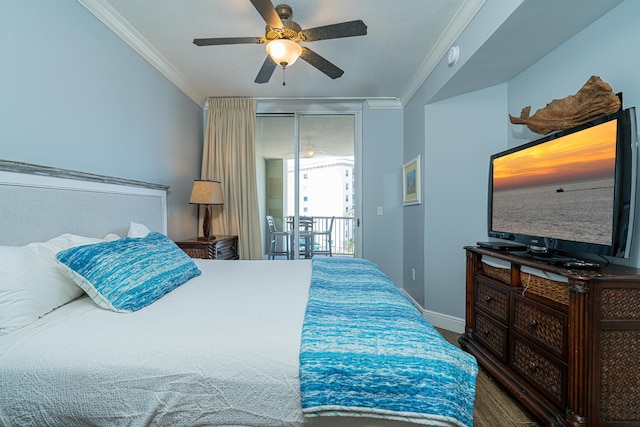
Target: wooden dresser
567	344
222	247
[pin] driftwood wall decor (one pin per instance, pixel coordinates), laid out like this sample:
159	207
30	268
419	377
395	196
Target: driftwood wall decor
594	99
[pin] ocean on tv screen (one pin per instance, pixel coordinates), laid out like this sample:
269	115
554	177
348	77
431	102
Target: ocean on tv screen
581	210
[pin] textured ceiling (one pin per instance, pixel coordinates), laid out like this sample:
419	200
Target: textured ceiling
382	64
405	40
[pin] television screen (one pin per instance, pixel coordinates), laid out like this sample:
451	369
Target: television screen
570	191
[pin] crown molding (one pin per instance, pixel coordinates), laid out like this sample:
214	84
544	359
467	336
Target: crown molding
384	104
457	25
116	23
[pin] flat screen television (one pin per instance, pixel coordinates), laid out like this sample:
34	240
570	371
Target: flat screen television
569	193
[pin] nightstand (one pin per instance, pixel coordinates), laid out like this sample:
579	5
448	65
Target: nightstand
222	247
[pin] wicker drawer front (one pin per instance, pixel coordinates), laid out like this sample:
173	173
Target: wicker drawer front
620	304
544	371
492	334
492	298
544	326
546	288
619	376
198	252
222	247
501	274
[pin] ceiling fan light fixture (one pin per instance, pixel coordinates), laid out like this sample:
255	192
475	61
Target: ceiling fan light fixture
308	151
283	51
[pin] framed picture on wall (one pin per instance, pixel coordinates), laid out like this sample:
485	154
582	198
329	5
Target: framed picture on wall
411	182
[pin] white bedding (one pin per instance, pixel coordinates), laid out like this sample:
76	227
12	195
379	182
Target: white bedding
220	350
191	352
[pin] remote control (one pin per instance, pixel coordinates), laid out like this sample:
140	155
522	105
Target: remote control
578	263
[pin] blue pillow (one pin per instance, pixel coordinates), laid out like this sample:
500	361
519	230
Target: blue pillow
128	274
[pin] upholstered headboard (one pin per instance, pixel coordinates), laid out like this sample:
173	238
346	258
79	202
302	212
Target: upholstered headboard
39	202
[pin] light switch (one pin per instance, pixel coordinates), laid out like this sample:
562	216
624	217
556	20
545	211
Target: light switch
380	210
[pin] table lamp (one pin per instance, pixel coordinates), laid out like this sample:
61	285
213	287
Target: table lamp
206	193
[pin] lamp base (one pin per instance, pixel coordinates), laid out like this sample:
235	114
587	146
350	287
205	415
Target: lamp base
206	224
206	239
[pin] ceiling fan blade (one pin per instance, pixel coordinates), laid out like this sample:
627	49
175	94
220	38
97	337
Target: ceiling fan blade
320	63
266	70
228	40
335	31
268	13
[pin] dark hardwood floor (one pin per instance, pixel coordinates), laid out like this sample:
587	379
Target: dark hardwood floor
494	406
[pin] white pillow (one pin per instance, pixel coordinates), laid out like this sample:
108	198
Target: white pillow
137	230
111	237
32	283
70	240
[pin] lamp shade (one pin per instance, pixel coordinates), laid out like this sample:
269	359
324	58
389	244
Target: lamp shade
206	193
283	51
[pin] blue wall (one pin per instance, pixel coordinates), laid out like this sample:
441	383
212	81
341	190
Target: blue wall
382	187
456	171
75	96
608	48
475	125
455	126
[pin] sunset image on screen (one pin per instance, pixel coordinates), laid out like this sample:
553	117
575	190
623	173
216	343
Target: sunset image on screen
584	155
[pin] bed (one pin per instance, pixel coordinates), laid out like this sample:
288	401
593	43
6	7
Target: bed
322	342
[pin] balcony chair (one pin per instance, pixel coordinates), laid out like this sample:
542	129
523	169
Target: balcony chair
306	236
318	240
274	235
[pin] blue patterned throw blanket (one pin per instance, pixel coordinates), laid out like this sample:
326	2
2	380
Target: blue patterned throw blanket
367	351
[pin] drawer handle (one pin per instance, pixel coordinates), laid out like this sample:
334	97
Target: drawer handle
533	367
488	299
486	332
533	323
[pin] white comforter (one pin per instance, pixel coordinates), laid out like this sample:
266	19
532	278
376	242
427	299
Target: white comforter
224	346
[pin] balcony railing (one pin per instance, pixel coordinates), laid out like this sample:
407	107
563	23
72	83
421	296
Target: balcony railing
342	235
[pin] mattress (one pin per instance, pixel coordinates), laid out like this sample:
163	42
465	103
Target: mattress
224	346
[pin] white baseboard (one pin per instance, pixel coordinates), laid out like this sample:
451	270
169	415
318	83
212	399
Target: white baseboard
444	321
440	320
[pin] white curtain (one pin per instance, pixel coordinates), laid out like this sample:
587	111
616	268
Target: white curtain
229	157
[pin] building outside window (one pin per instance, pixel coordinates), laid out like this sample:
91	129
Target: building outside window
325	184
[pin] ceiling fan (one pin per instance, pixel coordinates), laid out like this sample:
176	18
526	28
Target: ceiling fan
283	37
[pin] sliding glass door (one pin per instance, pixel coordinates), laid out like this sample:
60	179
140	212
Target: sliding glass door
306	165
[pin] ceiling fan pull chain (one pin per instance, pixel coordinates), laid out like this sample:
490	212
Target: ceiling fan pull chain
283	76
